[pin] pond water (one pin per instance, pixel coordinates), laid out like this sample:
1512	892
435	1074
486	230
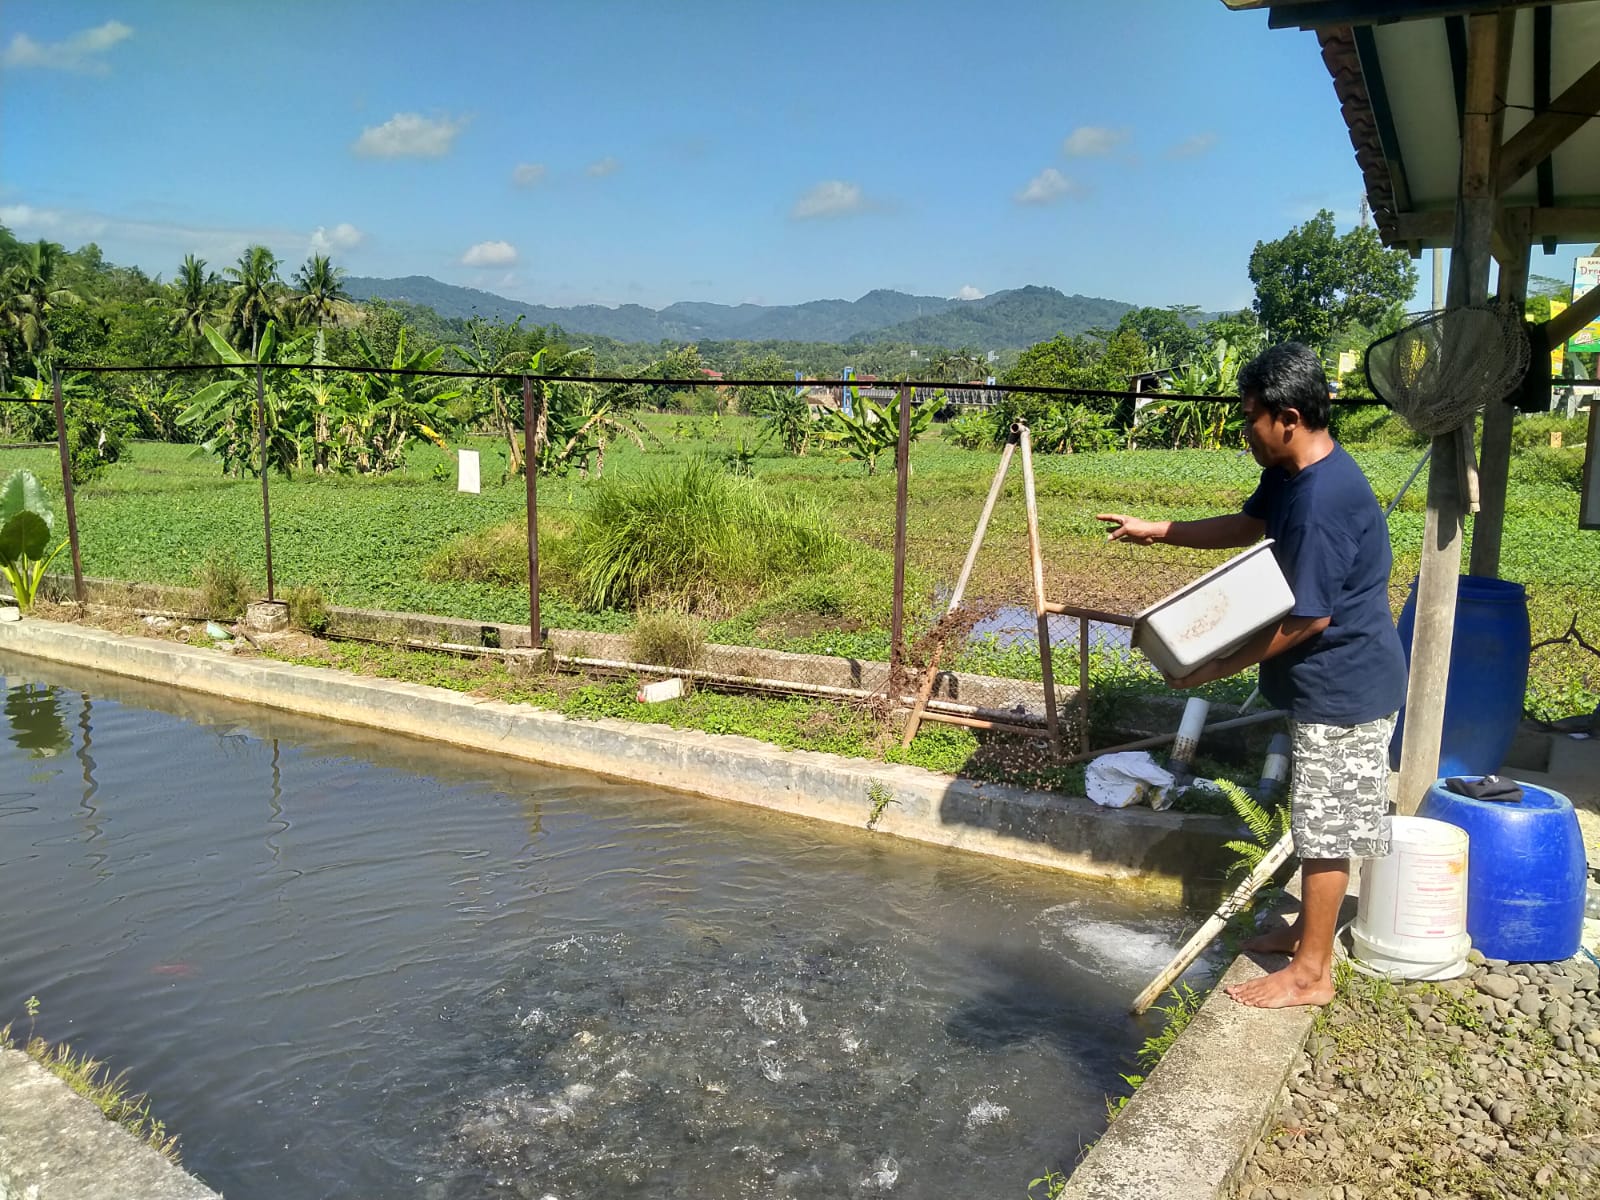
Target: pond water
346	964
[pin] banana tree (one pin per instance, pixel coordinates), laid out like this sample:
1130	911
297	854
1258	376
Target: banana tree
25	524
391	408
874	428
573	421
223	413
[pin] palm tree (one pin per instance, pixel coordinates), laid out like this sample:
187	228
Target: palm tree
191	296
319	292
254	296
30	291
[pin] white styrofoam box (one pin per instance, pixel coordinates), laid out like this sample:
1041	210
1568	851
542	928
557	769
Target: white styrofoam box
1215	614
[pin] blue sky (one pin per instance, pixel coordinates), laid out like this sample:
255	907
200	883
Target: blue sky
634	152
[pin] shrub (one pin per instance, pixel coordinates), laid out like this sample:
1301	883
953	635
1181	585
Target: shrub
308	610
1533	431
695	538
225	589
973	430
1549	465
668	639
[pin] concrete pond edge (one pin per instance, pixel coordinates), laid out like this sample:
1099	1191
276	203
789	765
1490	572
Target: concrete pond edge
56	1145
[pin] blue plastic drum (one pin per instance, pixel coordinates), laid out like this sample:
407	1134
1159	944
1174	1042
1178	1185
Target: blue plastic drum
1483	698
1526	872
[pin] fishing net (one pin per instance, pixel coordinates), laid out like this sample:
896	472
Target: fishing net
1442	368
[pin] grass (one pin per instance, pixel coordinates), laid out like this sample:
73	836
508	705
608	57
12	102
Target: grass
93	1080
409	542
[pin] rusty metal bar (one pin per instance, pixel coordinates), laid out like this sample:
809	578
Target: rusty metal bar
66	484
266	503
1083	683
902	468
530	473
1041	612
1161	739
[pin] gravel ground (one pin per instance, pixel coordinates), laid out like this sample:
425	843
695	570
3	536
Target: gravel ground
1484	1086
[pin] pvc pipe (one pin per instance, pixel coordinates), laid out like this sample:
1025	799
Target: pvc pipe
1276	768
1188	739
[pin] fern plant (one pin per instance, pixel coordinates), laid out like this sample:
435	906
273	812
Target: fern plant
1266	825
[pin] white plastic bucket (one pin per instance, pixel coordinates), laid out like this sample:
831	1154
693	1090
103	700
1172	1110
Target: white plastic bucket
1411	918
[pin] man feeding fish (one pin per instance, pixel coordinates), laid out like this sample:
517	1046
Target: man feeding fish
1334	663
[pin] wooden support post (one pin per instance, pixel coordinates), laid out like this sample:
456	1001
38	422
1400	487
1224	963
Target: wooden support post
1495	470
1040	604
66	484
1441	547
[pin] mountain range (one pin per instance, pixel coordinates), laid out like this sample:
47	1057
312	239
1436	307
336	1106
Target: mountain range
1015	318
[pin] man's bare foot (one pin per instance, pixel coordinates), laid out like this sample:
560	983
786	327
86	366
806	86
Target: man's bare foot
1291	987
1280	939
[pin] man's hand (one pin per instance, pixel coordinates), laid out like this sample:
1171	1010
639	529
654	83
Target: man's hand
1132	529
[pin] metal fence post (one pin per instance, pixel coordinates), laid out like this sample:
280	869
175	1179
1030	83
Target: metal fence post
66	483
530	473
266	504
902	468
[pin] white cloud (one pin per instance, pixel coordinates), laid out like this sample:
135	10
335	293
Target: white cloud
409	135
830	198
602	168
490	254
968	292
1193	147
1048	186
528	174
343	236
1088	141
80	52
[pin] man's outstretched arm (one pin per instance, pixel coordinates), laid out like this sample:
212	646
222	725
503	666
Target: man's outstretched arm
1213	533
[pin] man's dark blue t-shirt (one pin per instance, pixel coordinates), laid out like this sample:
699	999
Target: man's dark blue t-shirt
1332	543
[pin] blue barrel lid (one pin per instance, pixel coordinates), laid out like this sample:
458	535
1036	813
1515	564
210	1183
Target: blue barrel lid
1533	797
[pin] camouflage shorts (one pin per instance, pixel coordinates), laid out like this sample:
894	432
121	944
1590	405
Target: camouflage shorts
1340	803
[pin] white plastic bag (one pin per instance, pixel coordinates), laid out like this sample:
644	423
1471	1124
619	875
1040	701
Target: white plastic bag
1118	780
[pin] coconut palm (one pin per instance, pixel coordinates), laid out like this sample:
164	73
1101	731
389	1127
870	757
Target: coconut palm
28	292
320	297
191	297
254	296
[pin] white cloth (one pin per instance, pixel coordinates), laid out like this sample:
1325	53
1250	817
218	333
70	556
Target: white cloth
1118	780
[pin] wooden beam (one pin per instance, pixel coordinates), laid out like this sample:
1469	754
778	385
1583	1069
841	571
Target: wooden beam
1301	14
1574	317
1535	141
1545	172
1494	469
1442	532
1382	113
1576	223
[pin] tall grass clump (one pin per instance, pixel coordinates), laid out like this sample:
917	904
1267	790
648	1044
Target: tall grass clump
224	588
668	639
694	538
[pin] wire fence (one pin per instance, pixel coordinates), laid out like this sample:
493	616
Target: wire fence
1039	615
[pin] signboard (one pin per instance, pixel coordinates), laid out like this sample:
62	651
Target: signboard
846	392
1558	354
1347	362
467	471
1585	276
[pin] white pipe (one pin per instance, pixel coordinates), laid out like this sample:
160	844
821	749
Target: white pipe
1188	739
1276	769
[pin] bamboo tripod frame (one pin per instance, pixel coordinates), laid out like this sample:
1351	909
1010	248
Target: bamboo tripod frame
1042	608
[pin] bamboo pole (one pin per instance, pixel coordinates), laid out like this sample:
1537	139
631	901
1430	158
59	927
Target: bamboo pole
1235	903
1499	415
931	675
1040	604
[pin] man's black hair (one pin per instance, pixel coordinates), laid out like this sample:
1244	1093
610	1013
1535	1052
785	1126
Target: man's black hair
1288	375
